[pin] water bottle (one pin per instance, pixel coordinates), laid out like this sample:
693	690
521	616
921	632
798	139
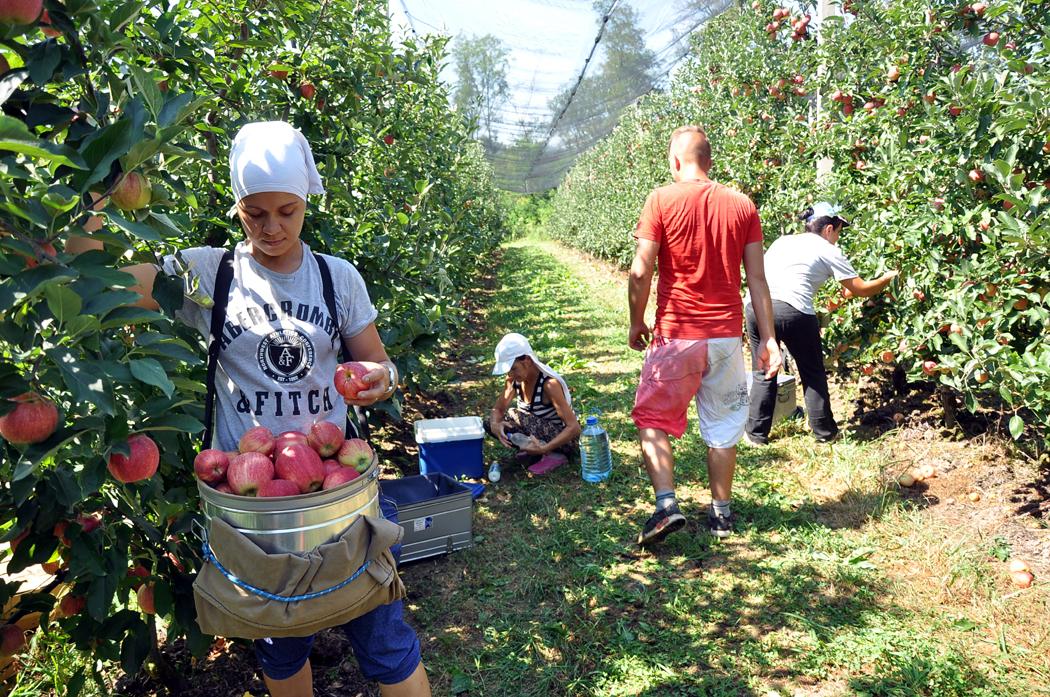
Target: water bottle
595	458
494	471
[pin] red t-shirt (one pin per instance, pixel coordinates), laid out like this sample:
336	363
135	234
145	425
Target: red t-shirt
702	228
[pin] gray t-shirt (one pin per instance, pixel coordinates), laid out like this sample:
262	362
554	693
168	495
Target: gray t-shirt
798	265
279	348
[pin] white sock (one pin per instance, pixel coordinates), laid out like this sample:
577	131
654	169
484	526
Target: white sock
720	507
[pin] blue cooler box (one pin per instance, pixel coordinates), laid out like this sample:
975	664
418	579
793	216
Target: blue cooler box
451	446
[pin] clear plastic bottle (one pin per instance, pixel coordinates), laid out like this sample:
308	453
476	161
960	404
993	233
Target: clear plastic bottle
494	471
595	458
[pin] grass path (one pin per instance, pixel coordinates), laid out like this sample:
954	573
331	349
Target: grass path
833	586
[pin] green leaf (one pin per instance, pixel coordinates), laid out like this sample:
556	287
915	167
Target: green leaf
135	648
148	88
15	137
174	422
123	316
30	283
133	227
461	682
102	148
82	379
151	372
63	302
1016	426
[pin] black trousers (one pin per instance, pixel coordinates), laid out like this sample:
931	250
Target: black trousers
801	334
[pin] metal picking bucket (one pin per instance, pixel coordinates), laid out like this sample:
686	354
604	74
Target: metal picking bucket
296	523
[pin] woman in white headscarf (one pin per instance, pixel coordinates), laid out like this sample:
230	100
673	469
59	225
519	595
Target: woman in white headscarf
542	423
278	357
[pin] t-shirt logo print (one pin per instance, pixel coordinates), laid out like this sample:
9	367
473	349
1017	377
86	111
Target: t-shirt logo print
286	355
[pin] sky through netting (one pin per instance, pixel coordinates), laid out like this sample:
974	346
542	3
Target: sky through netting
544	80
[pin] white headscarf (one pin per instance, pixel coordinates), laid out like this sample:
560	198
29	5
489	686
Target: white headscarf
513	345
272	156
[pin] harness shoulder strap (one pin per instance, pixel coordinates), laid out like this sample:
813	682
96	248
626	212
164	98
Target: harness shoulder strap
356	421
221	298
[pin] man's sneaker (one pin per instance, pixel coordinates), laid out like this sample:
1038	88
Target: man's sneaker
829	439
720	525
754	443
661	524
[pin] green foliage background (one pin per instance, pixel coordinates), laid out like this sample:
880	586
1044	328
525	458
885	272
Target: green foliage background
980	259
160	88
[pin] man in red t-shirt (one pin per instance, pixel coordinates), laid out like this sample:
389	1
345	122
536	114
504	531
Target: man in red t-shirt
699	232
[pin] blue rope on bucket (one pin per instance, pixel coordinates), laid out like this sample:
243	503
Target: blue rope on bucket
210	557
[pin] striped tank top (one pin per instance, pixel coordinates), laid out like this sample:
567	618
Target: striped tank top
535	406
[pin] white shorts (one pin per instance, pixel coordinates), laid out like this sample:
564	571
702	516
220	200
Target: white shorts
707	371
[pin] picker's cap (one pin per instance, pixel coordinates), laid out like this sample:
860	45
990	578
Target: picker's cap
825	209
509	348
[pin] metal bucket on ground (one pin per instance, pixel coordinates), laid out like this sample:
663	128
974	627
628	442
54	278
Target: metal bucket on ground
296	523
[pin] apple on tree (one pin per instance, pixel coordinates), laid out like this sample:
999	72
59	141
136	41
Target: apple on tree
141	463
20	11
33	419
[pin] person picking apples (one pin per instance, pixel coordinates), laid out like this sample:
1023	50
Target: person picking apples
542	420
796	267
275	360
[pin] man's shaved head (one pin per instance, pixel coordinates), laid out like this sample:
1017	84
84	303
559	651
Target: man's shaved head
690	145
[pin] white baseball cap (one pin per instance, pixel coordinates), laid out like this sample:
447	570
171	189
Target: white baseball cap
824	209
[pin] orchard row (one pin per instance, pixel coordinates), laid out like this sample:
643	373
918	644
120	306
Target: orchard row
934	120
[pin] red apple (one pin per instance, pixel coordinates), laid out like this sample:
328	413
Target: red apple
975	175
340	477
837	96
930	97
954	110
20	11
257	440
331	466
145	598
929	367
325	437
140	464
33	419
887	356
224	487
978	8
132	193
289	438
893	74
307	90
70	605
248	471
44	247
938	204
12	640
356	453
45	26
349	379
278	487
139	573
955	328
210	465
278	74
1022	579
919	295
300	464
981	377
991	38
388	139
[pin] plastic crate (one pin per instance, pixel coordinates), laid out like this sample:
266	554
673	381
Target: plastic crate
435	511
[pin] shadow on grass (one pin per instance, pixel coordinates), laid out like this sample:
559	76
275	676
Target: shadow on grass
555	598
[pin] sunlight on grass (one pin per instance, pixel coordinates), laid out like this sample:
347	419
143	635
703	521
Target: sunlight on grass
832	585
